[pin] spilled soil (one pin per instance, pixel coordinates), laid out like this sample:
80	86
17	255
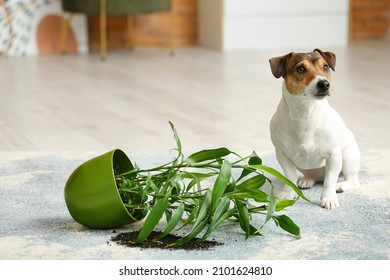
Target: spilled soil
128	239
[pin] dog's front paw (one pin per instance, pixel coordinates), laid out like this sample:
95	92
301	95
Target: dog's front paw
329	200
287	194
305	183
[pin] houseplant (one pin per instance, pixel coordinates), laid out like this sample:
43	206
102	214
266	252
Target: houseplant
177	191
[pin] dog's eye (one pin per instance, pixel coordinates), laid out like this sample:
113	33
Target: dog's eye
326	67
301	69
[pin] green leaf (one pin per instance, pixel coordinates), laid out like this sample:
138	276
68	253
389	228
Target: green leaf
176	136
223	205
258	195
190	218
206	155
221	214
258	209
287	224
220	184
204	207
197	178
253	182
231	186
201	220
197	175
243	217
168	214
215	223
195	231
193	182
153	218
253	160
176	217
283	204
254	231
271	206
150	185
239	195
281	177
176	185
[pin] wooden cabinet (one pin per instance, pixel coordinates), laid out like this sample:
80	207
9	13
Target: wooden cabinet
150	29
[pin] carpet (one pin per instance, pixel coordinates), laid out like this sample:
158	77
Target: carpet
35	223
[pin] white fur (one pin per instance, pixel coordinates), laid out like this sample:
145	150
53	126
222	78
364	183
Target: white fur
309	135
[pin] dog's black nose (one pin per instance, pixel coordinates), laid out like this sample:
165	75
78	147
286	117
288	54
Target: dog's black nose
323	85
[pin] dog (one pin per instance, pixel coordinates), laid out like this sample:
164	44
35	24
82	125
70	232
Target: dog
308	134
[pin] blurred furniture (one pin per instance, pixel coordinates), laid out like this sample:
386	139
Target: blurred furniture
253	25
114	7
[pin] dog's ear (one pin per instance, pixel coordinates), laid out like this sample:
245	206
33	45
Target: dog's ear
329	57
279	65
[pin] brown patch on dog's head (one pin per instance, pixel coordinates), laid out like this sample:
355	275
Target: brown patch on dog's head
299	69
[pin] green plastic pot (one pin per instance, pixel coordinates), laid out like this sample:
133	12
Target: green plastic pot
92	196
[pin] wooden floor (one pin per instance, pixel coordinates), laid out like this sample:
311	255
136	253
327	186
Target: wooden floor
80	103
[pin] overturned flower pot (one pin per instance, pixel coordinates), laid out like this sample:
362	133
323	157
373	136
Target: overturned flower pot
92	196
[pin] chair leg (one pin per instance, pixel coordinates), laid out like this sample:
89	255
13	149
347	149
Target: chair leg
172	30
65	22
130	32
103	30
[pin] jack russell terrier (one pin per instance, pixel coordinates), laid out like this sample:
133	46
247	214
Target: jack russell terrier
308	134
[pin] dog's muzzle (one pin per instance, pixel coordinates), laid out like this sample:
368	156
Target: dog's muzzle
323	87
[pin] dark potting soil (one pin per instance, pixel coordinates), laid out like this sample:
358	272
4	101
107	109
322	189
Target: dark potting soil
128	239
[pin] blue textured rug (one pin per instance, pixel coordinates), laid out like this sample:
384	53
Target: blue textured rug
35	223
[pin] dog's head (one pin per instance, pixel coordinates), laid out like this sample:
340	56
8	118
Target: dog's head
306	74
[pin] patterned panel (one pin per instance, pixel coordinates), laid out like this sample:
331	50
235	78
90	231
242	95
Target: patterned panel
19	22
